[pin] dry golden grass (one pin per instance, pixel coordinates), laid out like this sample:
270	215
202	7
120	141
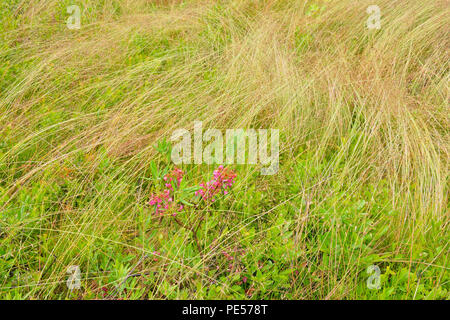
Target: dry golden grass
362	105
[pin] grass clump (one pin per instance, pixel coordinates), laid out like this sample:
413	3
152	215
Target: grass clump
85	116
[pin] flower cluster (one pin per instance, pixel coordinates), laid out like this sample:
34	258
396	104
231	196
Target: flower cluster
222	181
164	200
228	256
175	176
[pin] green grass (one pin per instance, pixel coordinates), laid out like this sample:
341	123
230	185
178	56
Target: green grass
85	116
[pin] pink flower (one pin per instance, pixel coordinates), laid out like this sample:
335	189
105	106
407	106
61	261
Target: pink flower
176	175
223	179
164	201
156	253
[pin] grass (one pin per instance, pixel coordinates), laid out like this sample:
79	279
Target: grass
85	116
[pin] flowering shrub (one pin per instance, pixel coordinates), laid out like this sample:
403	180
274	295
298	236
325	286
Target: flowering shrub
163	201
175	176
222	181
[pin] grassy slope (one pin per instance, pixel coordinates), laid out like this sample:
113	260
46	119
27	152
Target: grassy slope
363	120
